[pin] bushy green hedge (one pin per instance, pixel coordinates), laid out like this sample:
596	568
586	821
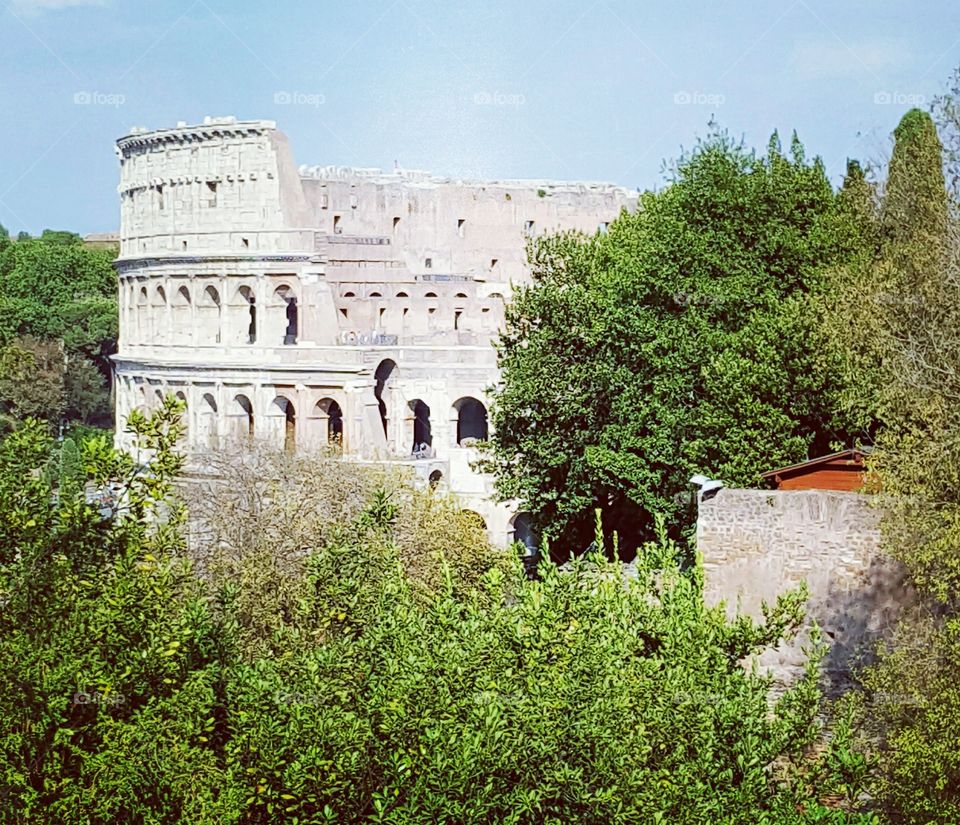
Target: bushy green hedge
127	695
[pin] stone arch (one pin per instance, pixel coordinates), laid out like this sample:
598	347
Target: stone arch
460	295
420	428
330	416
241	415
349	295
470	417
376	295
143	315
207	420
475	517
285	297
159	296
402	295
385	378
284	413
181	308
209	315
246	297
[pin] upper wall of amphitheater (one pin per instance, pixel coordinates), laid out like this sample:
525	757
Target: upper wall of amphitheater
232	187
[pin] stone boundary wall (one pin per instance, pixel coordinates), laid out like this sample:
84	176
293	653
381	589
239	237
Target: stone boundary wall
756	544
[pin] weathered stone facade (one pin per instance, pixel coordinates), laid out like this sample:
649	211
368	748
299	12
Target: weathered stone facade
756	544
304	306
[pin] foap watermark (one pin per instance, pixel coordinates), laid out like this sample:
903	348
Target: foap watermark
499	99
293	98
99	99
284	697
882	697
699	99
82	697
899	99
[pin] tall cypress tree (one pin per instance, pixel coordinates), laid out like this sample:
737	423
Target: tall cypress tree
914	214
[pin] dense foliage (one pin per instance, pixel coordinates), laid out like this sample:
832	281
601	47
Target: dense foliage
56	296
129	693
677	343
910	349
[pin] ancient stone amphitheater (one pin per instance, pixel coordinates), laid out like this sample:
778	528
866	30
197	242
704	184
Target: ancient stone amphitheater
325	305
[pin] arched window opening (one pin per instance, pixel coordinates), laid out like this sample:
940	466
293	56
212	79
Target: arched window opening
247	297
422	429
349	295
286	297
460	295
471	421
523	533
207	420
330	410
160	297
384	377
435	478
430	295
283	406
182	298
210	314
243	411
376	295
402	295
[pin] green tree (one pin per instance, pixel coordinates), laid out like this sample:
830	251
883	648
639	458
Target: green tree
53	288
32	380
676	343
906	346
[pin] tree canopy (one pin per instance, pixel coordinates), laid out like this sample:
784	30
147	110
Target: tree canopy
676	343
56	291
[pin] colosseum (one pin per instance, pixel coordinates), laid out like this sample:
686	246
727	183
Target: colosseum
323	305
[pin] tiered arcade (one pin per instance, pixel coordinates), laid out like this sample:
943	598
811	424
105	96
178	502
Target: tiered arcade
324	305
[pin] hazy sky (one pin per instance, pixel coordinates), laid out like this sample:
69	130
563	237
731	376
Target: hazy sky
602	90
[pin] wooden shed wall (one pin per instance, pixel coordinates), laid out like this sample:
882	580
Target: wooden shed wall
833	475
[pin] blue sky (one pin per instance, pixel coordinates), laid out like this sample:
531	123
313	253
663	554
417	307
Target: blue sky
592	89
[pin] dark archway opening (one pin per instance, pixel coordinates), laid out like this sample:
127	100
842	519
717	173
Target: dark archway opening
422	429
292	321
334	415
471	420
382	377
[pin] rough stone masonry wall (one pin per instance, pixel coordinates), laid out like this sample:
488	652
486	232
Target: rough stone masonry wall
756	544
